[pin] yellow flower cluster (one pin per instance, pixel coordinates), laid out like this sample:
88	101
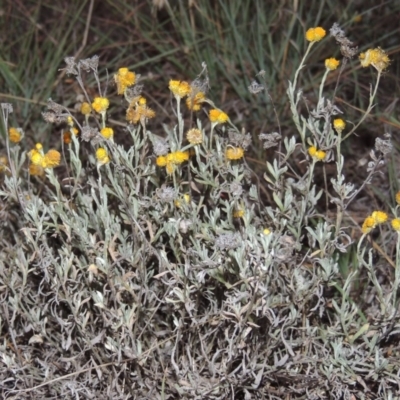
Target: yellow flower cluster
375	57
315	34
171	160
100	104
124	79
317	155
234	153
331	63
138	111
179	88
40	161
217	116
376	218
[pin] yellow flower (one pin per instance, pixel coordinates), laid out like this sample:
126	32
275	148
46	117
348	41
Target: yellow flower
161	161
375	57
266	231
194	136
218	116
238	213
86	108
107	133
379	216
398	198
100	104
70	121
234	153
179	89
15	135
331	63
339	125
312	151
368	225
186	197
315	34
124	79
36	157
142	101
102	156
194	102
320	155
139	113
51	159
396	224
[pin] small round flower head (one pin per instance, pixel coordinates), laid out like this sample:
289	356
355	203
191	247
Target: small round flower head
51	159
398	198
74	130
331	63
266	231
166	194
36	155
194	136
239	213
194	102
161	161
217	116
339	125
396	224
234	153
86	108
179	89
107	132
315	34
375	57
67	137
312	151
320	155
379	216
102	156
368	225
124	79
70	121
15	135
100	104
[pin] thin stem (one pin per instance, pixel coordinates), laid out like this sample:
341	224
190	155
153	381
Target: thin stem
370	106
